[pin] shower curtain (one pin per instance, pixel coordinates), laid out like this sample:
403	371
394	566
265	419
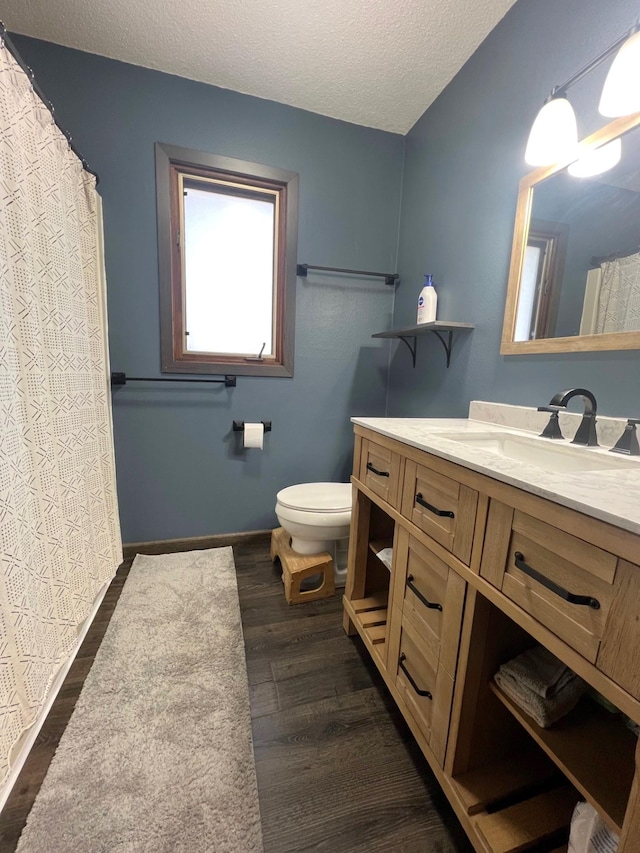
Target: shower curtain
59	530
619	299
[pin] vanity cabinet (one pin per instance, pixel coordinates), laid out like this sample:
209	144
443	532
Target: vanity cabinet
440	506
481	571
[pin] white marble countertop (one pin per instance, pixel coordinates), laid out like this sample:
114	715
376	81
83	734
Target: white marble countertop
612	495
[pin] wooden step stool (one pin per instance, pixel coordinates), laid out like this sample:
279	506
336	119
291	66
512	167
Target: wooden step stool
297	567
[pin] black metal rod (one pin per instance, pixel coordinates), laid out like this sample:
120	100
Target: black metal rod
432	605
13	50
122	379
552	586
596	260
445	513
238	426
390	277
598	59
420	692
375	471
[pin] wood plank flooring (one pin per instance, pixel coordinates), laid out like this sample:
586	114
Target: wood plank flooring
338	770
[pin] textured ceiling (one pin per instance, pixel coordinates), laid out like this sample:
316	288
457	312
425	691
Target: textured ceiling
378	63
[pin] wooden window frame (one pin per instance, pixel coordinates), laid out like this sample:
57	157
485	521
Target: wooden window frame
172	162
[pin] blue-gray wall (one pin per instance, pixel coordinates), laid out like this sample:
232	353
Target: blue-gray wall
179	472
463	162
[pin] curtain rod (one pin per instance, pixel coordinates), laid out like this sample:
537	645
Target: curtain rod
13	50
598	260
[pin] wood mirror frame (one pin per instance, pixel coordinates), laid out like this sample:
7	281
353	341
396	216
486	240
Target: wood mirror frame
574	343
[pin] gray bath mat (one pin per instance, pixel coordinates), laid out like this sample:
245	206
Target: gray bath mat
157	755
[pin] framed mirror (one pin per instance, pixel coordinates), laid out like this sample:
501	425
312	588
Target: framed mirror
574	278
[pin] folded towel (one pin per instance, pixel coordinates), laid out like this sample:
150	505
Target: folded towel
386	555
545	711
540	671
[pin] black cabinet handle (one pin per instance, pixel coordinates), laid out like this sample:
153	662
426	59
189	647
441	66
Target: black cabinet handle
571	597
434	509
430	604
375	470
401	661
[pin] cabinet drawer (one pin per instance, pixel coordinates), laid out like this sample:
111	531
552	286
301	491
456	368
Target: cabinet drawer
380	471
426	688
432	598
441	507
564	582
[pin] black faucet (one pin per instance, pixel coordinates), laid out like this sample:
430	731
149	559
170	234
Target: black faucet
586	434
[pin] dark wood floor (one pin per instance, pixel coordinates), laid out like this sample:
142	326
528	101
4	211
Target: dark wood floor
338	770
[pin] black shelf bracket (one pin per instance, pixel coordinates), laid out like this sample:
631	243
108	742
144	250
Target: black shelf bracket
446	343
443	330
390	278
412	349
119	379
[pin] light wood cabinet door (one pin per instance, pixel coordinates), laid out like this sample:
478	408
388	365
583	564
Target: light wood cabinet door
619	655
441	507
380	471
565	583
424	685
432	598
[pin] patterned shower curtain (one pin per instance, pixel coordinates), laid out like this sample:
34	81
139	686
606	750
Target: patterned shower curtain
619	300
59	529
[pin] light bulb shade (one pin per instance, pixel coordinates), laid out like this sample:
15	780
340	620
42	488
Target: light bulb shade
621	92
597	161
554	134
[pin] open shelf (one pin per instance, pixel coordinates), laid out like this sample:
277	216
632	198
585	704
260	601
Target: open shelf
370	617
594	750
506	780
516	805
377	545
544	818
442	330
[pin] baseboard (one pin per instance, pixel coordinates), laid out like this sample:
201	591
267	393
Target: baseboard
193	543
32	733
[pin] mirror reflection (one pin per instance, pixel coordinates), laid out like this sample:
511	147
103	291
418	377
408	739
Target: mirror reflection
580	272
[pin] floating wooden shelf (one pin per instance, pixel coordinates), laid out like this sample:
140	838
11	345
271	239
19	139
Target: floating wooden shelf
439	329
594	750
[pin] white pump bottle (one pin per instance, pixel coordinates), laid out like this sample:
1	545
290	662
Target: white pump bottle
427	301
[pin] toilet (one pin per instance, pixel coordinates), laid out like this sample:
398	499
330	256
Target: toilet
317	517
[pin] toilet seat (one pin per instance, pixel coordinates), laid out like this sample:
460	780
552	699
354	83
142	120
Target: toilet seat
322	498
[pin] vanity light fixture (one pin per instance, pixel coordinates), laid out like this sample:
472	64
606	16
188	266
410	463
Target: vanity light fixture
621	92
597	161
554	136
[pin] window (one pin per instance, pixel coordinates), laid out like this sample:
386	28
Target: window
227	245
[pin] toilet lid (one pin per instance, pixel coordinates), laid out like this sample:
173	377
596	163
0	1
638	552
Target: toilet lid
317	497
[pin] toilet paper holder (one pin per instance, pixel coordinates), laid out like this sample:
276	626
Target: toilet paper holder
238	426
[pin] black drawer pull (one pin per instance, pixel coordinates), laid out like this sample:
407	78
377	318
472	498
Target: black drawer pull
401	661
375	470
585	600
430	604
444	512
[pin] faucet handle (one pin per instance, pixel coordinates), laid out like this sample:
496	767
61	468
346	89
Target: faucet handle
628	441
552	429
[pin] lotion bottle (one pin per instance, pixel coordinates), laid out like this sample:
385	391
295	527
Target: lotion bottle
427	301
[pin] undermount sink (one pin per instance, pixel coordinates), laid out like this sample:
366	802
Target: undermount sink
559	457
